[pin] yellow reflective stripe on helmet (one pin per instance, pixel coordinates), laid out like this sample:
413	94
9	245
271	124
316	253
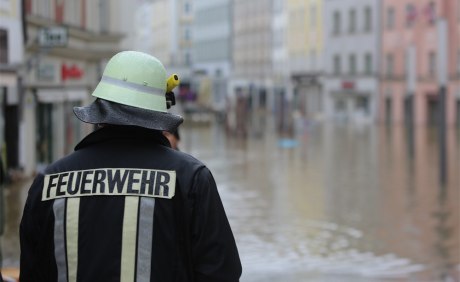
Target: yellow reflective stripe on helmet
133	86
129	236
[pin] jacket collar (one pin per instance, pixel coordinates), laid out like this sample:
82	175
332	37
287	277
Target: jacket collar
117	132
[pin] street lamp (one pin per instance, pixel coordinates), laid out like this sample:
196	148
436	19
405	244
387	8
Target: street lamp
442	80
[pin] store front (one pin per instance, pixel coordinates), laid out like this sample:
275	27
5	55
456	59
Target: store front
54	87
9	120
352	106
57	129
307	93
352	100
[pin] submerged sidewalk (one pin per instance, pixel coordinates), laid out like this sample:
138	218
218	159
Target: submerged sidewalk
14	195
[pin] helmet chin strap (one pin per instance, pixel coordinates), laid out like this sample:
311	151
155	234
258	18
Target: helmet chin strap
170	99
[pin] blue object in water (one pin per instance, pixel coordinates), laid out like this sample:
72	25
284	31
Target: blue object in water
288	143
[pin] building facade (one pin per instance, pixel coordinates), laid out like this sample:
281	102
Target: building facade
61	75
305	49
410	54
351	58
211	52
171	33
252	50
11	57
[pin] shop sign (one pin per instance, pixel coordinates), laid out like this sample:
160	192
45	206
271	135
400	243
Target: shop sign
55	36
71	72
46	72
348	85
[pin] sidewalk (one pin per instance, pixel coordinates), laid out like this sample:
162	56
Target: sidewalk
15	195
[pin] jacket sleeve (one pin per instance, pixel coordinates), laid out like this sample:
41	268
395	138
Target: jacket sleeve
28	232
214	250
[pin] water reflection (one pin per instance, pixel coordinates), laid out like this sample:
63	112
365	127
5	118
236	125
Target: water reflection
15	195
348	204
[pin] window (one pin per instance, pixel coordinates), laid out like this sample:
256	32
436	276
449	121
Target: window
313	16
277	6
340	105
411	15
389	65
352	26
313	59
337	65
3	46
352	61
187	8
406	63
278	38
187	36
187	58
458	10
368	64
104	16
458	62
430	12
362	104
337	23
432	64
390	18
367	19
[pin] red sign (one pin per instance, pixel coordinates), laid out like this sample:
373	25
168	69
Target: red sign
348	85
72	72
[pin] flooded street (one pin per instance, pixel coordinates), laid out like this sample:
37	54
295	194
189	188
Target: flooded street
340	203
332	203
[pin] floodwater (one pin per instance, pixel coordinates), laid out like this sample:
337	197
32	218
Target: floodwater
338	202
328	203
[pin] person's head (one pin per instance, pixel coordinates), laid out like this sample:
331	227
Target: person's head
131	92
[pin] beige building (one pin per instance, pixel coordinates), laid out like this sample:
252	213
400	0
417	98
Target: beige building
252	51
171	31
211	49
305	51
68	44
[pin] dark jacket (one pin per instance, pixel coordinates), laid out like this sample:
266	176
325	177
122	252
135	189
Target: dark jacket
126	207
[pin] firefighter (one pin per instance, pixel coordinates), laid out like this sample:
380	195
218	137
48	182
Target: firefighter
124	206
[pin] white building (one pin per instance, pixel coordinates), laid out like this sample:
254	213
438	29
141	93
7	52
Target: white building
170	29
11	58
252	50
211	52
352	34
57	78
